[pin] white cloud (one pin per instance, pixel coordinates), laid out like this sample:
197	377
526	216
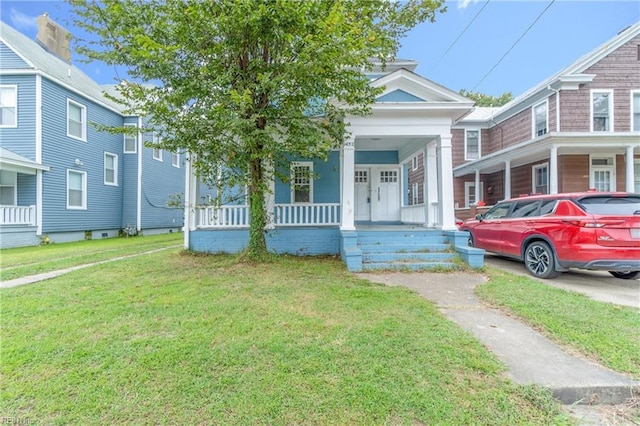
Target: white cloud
462	4
21	21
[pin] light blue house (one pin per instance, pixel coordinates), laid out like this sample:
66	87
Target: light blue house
383	200
60	177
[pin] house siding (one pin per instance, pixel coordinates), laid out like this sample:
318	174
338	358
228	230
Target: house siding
326	184
575	173
26	189
9	59
22	139
129	163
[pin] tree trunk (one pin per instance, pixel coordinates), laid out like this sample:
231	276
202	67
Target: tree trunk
257	249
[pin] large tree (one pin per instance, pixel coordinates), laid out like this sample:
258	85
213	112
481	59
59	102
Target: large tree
244	85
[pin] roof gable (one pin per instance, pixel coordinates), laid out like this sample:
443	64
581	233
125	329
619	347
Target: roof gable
9	59
408	86
399	95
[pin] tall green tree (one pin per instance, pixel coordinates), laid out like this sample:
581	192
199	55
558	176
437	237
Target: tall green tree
484	100
242	85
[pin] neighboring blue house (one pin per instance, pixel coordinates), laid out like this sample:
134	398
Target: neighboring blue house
60	177
358	204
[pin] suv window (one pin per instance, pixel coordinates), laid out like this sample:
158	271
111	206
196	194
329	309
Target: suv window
498	212
526	209
628	205
547	207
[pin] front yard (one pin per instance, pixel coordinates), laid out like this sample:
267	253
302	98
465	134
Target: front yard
170	337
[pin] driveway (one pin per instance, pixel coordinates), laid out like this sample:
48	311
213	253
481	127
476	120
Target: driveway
597	285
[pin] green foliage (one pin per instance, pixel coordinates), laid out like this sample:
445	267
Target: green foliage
243	84
487	100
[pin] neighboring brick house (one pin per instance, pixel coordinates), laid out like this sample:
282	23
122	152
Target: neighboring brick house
575	131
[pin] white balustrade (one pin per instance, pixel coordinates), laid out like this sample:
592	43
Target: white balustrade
18	215
322	214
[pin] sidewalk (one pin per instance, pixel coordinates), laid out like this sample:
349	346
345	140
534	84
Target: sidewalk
530	357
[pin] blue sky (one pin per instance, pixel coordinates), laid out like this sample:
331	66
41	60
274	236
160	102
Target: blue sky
493	46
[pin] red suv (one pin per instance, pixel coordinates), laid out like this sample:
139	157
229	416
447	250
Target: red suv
555	232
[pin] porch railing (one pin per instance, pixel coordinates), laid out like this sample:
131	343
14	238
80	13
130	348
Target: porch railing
18	215
322	214
412	214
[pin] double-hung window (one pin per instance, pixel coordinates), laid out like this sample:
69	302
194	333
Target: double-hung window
540	179
540	119
635	111
8	106
472	144
302	182
130	141
76	120
76	190
175	159
157	152
110	169
602	110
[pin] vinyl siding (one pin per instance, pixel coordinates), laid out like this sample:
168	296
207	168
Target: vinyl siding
326	185
22	139
129	166
104	202
26	190
9	60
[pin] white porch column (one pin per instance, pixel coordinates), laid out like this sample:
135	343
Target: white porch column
445	181
347	202
38	202
553	170
477	187
430	184
507	179
629	163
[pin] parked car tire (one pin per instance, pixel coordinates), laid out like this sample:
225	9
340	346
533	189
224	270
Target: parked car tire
540	260
627	275
470	241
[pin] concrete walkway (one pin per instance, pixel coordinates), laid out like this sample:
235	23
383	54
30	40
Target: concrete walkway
53	274
530	357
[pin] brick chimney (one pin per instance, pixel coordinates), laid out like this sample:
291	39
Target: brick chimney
53	38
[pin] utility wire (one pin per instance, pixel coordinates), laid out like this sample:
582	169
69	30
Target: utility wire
460	35
514	44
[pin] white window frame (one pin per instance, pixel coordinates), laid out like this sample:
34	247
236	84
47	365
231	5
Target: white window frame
534	132
414	193
466	150
609	92
13	104
175	159
13	184
156	152
128	137
609	168
534	174
309	165
115	168
83	118
468	186
414	163
634	112
84	190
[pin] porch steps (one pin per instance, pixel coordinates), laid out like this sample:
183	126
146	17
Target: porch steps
412	249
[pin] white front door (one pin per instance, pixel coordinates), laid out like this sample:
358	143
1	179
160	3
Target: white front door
385	194
363	194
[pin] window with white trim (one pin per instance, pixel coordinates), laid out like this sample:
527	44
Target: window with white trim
110	169
175	159
76	190
635	111
8	106
471	144
76	120
130	141
414	163
157	152
602	173
540	179
540	119
414	194
470	193
8	188
302	182
602	110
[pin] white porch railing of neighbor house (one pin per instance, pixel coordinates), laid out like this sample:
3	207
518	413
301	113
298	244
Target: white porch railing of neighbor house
412	214
322	214
18	215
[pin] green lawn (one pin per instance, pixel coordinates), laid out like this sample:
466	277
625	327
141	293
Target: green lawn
604	332
19	262
170	338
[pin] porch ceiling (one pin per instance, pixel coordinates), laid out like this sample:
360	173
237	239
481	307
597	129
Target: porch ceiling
389	143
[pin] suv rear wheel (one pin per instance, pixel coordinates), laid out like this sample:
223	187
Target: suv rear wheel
627	275
539	260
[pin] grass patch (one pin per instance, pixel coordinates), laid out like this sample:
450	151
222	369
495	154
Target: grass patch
171	338
23	261
602	331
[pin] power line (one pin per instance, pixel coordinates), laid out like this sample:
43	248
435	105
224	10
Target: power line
460	35
514	44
